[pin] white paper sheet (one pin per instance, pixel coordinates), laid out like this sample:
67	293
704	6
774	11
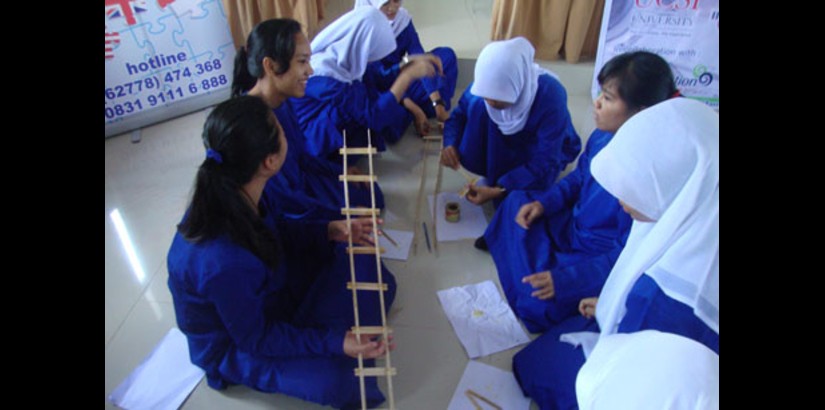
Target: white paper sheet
402	238
163	380
482	320
496	385
471	225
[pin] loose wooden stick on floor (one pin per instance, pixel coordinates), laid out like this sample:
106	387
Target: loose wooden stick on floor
471	393
418	198
436	191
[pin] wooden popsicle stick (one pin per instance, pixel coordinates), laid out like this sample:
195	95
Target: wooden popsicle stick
375	371
364	250
357	151
470	393
473	400
466	174
370	329
419	196
436	191
360	211
357	178
353	284
387	371
367	286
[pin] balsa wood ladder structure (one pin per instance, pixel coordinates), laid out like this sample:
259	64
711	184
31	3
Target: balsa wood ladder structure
387	370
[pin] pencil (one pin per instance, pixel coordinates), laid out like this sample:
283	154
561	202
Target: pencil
384	233
427	236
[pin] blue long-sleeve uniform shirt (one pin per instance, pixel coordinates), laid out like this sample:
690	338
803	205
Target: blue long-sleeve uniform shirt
530	159
407	42
597	224
578	238
331	106
307	187
383	73
226	298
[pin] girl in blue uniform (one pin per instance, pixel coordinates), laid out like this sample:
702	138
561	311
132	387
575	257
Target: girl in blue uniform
264	303
274	65
511	125
663	166
428	97
554	247
337	101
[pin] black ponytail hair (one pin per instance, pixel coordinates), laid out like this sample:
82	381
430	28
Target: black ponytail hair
274	38
643	79
240	135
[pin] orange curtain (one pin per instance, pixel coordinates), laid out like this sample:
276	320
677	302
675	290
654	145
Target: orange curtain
554	27
245	14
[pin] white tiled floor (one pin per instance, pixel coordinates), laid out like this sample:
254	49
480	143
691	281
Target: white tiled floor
149	183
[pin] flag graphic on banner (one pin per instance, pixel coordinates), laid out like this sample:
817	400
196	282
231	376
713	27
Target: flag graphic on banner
125	8
112	40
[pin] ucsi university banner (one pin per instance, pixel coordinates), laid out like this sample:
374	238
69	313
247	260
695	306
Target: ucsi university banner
683	32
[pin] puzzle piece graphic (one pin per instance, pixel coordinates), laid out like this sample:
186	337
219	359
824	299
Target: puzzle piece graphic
170	21
227	52
197	14
182	7
194	21
151	47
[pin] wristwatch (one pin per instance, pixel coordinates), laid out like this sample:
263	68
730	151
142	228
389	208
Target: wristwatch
404	61
439	102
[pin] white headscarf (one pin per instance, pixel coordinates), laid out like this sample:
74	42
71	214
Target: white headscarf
505	71
649	370
402	17
664	162
343	49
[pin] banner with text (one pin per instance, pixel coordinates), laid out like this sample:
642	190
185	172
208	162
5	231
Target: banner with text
683	32
160	53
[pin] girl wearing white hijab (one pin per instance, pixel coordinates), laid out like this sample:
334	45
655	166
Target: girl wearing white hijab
649	370
670	185
554	247
511	125
336	99
663	166
428	98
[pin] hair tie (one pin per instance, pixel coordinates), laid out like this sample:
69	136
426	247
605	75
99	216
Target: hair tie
676	94
215	155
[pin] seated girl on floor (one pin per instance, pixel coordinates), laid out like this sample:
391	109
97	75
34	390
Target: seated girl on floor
554	247
337	100
511	125
274	65
264	303
663	166
427	97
